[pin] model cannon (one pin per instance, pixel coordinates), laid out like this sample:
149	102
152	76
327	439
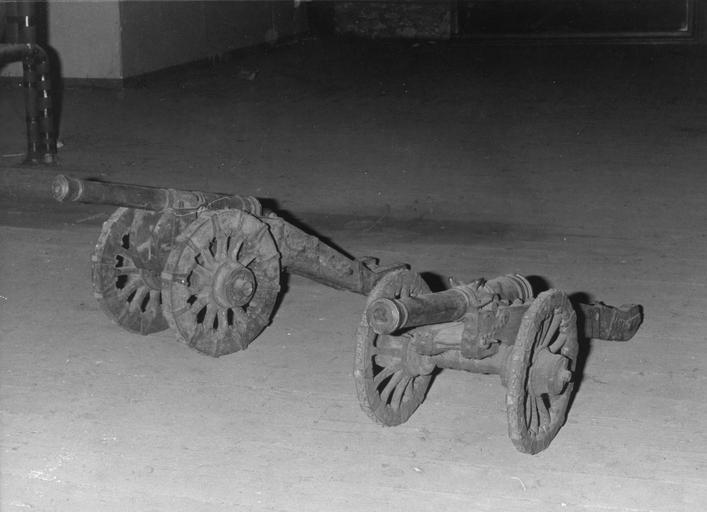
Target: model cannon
206	264
209	266
493	327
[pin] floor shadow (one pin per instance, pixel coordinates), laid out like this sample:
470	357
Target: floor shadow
538	284
291	218
585	346
284	289
436	282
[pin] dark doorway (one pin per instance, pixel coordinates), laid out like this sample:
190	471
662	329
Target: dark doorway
576	18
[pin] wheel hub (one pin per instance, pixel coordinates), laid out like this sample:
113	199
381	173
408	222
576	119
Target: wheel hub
550	373
233	285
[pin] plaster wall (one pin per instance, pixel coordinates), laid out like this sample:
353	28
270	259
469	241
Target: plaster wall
110	39
86	37
156	35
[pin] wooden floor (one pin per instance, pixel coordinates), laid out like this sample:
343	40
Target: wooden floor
588	174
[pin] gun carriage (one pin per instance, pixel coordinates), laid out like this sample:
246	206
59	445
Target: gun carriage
208	265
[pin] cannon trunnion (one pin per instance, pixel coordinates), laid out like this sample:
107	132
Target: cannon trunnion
208	266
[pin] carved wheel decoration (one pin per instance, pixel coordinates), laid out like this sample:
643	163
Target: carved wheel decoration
391	378
540	372
221	281
126	266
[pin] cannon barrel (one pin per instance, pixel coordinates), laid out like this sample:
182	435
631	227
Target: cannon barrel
386	316
66	188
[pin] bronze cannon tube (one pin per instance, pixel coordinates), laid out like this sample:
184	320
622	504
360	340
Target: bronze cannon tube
386	316
66	188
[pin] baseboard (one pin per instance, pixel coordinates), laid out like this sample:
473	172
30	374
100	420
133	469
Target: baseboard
140	80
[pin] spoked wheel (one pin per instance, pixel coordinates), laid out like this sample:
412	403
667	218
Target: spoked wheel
391	378
540	372
221	281
126	266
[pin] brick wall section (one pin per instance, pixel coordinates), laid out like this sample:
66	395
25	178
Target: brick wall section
393	19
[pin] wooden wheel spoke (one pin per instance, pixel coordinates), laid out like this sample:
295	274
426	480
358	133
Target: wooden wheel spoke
125	271
127	255
192	309
136	302
209	317
208	259
240	317
527	411
386	351
534	418
396	400
129	288
248	261
203	278
222	329
550	331
221	248
219	237
382	375
235	248
543	414
154	302
138	222
559	342
411	388
390	385
247	254
540	333
206	256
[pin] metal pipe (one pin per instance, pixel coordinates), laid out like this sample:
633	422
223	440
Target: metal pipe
17	52
39	115
41	140
26	21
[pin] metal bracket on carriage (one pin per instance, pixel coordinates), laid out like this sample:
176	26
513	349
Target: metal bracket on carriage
485	329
